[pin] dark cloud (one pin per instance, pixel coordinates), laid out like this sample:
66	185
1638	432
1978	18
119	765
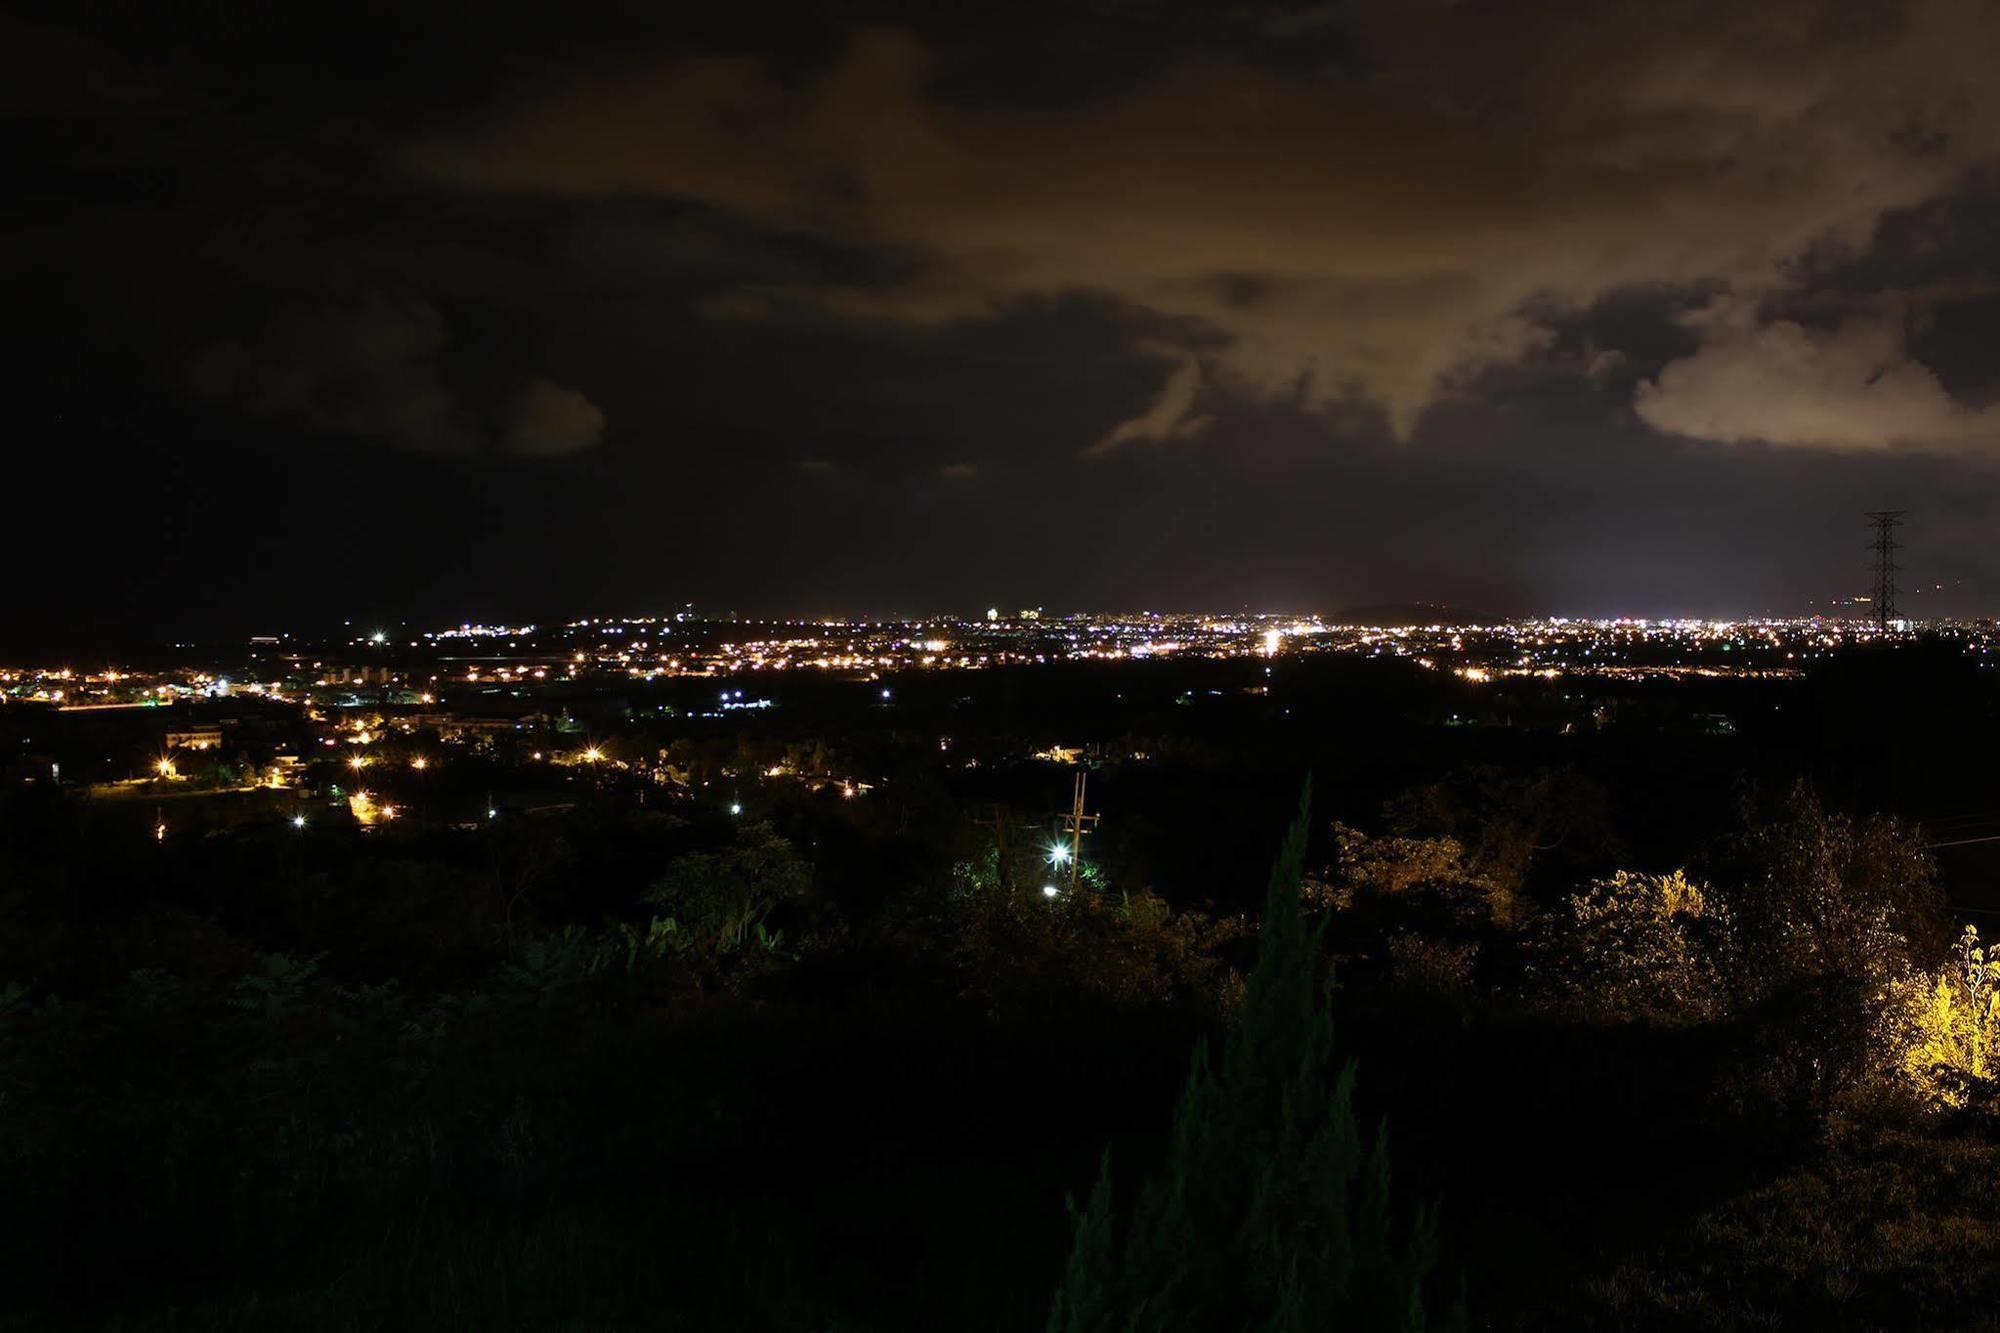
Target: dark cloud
369	368
372	367
549	419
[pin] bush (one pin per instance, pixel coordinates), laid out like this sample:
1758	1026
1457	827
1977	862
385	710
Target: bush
1019	950
1945	1028
1634	947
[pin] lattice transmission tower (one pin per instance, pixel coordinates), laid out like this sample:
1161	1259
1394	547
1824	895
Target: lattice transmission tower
1885	522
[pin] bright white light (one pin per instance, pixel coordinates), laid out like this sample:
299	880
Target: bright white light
1049	890
298	821
378	637
491	813
736	807
1059	854
885	694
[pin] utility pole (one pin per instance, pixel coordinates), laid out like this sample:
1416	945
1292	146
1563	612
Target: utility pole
1885	521
1076	824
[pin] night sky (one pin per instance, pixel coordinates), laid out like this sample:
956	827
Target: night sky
495	310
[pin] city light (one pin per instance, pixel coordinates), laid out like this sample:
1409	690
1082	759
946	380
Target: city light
1050	890
298	821
592	755
357	763
166	768
736	807
420	763
1059	854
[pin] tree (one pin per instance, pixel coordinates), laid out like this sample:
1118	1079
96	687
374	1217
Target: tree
1815	893
1273	1210
724	897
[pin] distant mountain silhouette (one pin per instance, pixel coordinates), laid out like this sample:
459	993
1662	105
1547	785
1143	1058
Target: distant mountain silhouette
1411	613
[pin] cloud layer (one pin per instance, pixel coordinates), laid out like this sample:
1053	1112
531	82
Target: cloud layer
1373	236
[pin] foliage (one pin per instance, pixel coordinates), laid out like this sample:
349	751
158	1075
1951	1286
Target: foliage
1814	893
1020	951
1946	1027
1424	965
724	898
1273	1209
1637	947
1423	878
1887	1228
1514	826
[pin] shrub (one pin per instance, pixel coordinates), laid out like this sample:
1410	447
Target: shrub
1635	947
1945	1027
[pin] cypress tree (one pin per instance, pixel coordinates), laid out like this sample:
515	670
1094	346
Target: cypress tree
1273	1210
